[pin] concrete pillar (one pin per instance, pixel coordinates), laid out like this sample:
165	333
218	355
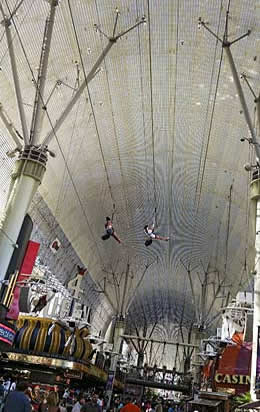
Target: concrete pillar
26	177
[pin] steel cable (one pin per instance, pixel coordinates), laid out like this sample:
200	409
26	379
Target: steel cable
91	103
151	98
113	121
203	163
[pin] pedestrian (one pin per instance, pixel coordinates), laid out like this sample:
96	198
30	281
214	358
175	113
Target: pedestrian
17	401
159	407
100	403
92	404
28	393
36	397
53	401
130	406
80	401
62	407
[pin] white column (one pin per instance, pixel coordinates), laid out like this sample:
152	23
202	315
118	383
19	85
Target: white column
26	178
256	322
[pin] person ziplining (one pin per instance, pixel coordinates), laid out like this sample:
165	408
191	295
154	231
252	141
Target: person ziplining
149	231
110	230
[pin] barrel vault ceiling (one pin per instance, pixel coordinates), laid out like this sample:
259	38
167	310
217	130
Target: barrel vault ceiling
157	130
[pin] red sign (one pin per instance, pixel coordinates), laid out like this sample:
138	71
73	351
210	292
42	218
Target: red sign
6	334
26	269
234	368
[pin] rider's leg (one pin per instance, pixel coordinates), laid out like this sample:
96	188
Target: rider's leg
116	237
158	237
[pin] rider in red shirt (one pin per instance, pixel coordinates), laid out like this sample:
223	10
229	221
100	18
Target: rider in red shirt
130	407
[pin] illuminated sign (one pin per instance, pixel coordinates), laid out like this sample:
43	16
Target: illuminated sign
232	379
6	334
73	374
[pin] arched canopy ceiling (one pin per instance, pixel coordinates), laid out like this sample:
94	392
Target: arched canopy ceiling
158	128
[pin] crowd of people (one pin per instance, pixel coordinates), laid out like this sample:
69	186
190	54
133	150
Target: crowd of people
155	405
21	397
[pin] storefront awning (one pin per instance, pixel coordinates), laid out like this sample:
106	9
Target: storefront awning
205	402
250	405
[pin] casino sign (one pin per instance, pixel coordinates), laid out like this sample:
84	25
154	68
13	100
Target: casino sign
232	379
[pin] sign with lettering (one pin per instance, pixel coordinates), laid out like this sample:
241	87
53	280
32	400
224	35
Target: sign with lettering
233	370
232	379
6	334
73	374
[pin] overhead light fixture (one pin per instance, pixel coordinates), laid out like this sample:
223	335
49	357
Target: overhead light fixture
12	153
248	167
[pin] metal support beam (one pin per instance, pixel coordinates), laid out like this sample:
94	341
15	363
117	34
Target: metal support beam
226	46
257	101
122	310
242	99
188	270
39	108
214	299
243	76
167	342
150	334
85	82
193	296
10	127
16	9
107	297
131	298
117	339
77	95
7	24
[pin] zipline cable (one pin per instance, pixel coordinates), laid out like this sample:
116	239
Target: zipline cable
151	99
13	38
200	178
113	121
142	94
90	101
